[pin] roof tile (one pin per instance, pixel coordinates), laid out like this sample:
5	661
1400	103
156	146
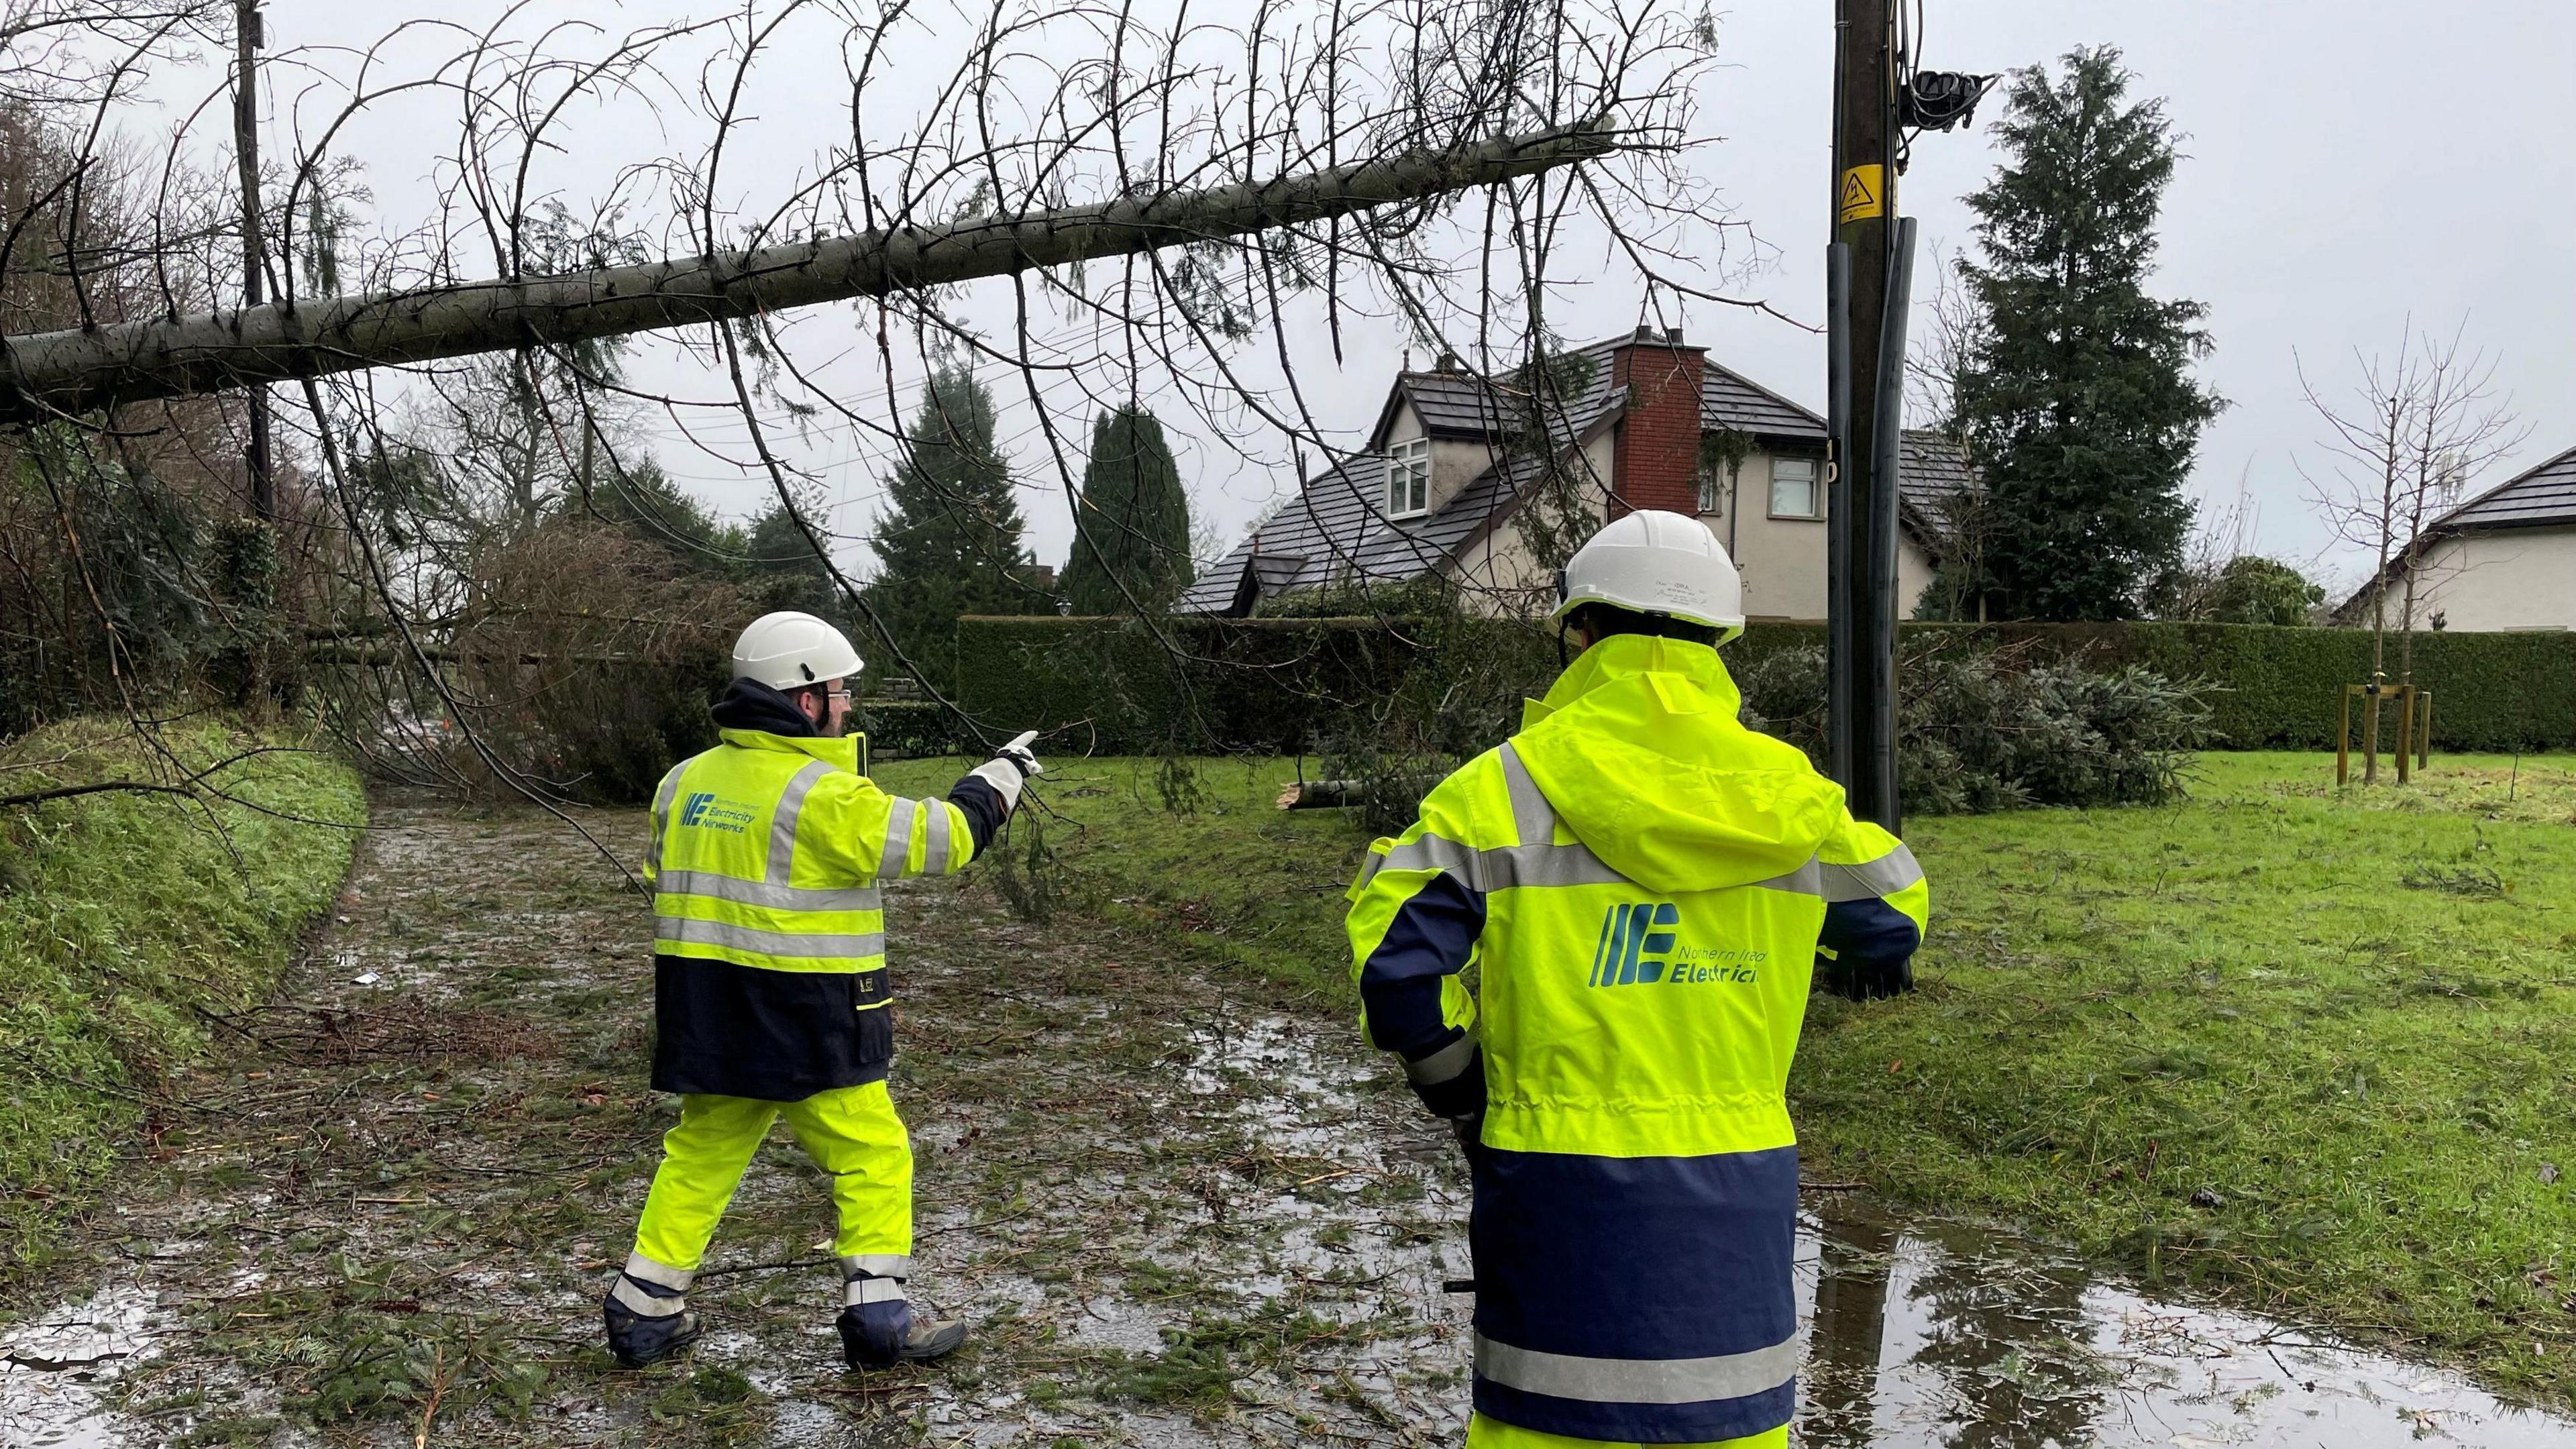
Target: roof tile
1336	529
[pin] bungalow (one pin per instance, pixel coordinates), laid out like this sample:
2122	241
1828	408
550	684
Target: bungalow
1648	422
2505	559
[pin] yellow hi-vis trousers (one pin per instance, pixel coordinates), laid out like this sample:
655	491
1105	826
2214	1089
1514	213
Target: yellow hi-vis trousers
1484	1433
850	1132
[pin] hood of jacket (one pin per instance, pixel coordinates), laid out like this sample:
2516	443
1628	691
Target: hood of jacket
748	704
754	716
1639	748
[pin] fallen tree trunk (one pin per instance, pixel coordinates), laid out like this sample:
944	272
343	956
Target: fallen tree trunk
1321	794
49	374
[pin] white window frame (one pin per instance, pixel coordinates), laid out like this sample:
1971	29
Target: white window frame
1408	479
1712	493
1815	487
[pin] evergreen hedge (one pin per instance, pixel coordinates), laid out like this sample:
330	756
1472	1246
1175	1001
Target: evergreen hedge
1120	687
1285	684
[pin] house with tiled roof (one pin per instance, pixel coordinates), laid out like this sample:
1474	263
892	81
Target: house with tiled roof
1644	421
2506	559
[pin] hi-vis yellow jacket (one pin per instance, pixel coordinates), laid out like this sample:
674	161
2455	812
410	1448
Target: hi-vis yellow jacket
768	929
1644	886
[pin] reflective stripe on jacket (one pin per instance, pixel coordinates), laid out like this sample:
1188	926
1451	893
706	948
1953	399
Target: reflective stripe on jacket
1644	885
768	927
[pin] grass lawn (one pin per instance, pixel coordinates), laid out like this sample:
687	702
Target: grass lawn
126	920
2312	1050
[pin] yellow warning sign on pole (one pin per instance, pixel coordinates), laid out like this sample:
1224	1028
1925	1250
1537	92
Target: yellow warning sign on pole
1863	194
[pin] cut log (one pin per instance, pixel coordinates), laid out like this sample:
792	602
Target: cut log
1320	794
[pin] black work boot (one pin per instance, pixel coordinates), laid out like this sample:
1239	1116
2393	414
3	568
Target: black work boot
881	1335
637	1340
648	1319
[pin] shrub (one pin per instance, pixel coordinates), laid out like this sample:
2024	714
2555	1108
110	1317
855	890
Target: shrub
1997	730
598	703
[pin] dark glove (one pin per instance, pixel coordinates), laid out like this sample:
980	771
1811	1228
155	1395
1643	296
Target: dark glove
1855	979
1470	1132
1460	1096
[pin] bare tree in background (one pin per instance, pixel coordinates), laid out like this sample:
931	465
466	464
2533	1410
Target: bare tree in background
2403	453
2459	428
1962	520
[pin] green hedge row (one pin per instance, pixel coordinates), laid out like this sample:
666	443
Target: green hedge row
907	729
1283	684
1122	687
2276	688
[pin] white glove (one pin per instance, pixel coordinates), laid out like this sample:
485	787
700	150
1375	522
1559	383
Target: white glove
1007	770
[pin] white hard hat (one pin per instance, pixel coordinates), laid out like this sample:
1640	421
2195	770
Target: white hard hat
1652	562
789	650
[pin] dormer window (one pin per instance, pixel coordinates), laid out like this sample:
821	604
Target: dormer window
1408	479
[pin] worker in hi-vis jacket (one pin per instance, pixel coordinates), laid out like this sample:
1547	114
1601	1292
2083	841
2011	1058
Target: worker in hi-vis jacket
1646	888
770	992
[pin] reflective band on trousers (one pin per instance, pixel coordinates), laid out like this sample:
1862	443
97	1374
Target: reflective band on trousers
1445	1063
879	1265
1637	1380
661	1275
1544	865
1873	879
871	1290
762	893
645	1304
691	931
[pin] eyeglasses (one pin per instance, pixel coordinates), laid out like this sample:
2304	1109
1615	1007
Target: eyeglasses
836	694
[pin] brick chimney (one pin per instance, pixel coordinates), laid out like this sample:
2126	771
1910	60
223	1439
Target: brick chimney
1654	448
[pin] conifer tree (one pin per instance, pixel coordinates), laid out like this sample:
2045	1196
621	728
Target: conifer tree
2077	397
949	542
783	571
1134	520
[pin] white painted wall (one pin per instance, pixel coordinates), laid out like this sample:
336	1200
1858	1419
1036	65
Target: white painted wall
2518	578
1783	559
1497	571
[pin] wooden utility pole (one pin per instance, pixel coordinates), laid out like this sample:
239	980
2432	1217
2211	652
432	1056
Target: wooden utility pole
1866	306
247	40
76	369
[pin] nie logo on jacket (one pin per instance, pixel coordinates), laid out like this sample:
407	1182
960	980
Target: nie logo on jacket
704	810
1639	946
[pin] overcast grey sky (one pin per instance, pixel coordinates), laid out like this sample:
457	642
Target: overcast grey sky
2348	165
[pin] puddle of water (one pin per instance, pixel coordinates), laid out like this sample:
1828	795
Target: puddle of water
56	1370
1943	1333
1939	1334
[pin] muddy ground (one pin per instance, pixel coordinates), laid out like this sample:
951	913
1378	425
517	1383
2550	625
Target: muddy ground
1162	1200
1180	1210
